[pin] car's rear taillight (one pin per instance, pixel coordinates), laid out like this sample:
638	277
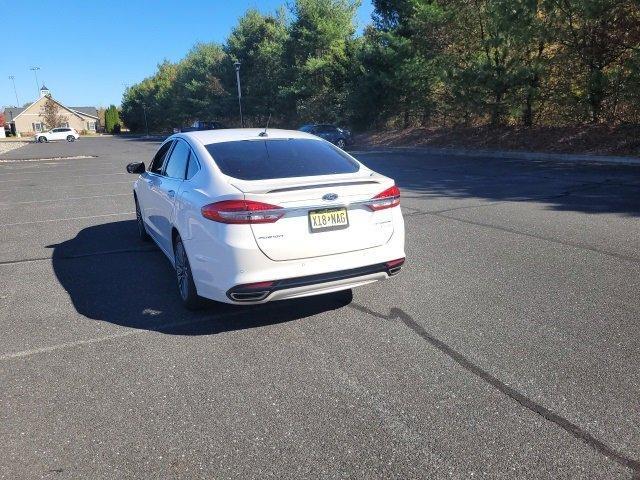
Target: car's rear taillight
242	212
388	199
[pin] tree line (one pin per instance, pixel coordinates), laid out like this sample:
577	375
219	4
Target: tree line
419	63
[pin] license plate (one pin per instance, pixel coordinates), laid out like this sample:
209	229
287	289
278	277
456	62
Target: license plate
328	219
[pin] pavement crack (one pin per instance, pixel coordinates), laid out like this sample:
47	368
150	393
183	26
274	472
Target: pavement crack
24	260
418	212
80	255
578	188
570	427
66	219
539	237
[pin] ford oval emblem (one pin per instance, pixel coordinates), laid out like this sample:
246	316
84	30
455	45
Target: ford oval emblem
330	196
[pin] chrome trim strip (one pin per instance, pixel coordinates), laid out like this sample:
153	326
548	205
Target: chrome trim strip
326	205
320	206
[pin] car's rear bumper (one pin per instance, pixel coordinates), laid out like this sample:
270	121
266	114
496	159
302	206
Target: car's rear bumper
223	258
261	292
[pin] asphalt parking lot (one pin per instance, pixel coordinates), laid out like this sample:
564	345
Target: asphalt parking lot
509	347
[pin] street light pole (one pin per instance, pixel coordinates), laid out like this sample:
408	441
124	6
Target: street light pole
13	79
35	72
146	125
237	65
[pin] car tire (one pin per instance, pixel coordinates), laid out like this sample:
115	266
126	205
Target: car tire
341	143
71	138
42	140
186	285
142	228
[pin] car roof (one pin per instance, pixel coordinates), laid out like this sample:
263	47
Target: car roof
207	137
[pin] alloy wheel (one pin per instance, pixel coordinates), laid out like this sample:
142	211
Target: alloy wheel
139	219
182	271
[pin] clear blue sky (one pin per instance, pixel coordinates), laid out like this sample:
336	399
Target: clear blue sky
87	51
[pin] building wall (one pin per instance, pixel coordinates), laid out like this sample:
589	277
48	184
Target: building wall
33	114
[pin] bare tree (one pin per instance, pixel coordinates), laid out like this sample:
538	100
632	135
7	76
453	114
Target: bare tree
51	114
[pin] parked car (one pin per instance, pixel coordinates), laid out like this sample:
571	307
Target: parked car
249	217
336	135
61	133
200	125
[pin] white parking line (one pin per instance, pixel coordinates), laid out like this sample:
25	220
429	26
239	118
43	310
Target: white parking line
58	187
106	338
23	160
35	351
46	171
64	199
66	176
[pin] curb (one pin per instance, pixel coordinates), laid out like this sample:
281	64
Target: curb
507	154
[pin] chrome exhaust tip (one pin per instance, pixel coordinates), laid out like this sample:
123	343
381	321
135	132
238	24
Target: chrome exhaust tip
395	270
249	296
394	266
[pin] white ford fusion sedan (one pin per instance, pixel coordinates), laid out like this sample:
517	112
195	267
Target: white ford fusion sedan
250	216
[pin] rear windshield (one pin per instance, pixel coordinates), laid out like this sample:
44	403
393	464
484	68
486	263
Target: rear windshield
280	158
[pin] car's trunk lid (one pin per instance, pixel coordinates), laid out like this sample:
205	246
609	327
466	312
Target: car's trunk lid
292	236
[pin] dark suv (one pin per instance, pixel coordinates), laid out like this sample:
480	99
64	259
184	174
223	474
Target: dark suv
336	135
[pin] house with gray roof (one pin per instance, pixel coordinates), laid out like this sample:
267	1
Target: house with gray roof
29	120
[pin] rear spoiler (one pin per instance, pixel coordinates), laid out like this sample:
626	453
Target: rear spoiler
291	185
322	185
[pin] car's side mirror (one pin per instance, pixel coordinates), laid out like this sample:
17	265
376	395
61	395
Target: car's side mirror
136	167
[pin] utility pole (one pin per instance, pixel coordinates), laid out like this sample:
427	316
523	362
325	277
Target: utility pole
35	72
237	65
13	79
144	110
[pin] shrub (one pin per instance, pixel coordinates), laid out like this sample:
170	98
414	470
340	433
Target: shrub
111	119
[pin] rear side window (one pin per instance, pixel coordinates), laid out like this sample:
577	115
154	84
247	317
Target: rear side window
158	160
193	167
279	158
177	163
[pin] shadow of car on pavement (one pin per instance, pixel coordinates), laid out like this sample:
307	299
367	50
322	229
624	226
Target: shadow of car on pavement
111	275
